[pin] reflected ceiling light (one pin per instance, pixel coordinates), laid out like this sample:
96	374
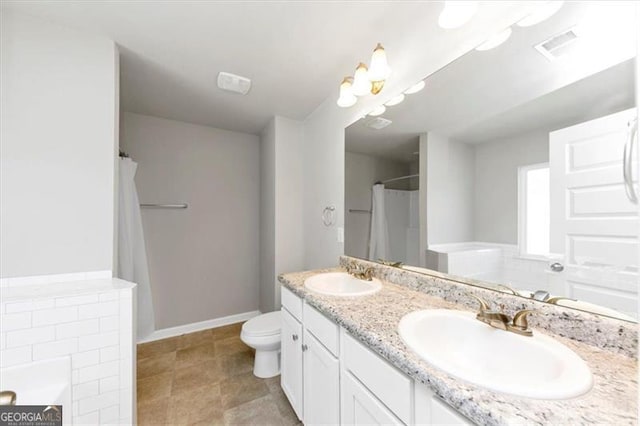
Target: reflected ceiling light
542	13
495	40
457	13
379	110
395	100
415	88
347	98
366	80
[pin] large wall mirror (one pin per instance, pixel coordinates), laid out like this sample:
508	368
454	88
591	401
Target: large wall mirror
507	169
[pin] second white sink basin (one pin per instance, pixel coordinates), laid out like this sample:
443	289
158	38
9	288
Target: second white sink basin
535	367
341	284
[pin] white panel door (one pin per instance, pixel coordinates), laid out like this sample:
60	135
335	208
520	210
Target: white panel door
321	384
593	224
360	407
291	361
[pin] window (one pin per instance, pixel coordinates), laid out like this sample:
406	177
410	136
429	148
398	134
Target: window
533	210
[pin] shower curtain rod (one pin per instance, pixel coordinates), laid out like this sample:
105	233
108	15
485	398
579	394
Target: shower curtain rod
398	178
165	206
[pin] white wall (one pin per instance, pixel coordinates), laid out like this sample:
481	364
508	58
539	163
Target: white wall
282	230
361	172
58	147
450	190
496	184
324	128
204	260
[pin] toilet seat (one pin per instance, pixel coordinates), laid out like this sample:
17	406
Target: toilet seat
263	325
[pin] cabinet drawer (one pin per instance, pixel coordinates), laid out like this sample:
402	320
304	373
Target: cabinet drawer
292	302
392	387
325	330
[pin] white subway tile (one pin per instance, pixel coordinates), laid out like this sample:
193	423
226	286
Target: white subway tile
126	402
97	310
109	323
38	304
87	419
84	359
77	328
15	356
96	341
3	340
109	384
106	297
75	377
55	316
19	307
30	336
15	321
98	371
77	300
98	402
55	349
85	390
110	353
109	415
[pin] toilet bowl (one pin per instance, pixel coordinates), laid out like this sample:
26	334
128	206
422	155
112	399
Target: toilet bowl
263	334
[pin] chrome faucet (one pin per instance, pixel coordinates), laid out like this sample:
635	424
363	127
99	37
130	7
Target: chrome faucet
359	271
502	321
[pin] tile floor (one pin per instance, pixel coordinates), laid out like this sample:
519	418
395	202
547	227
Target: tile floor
206	378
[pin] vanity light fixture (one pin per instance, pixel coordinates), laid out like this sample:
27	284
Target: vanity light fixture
347	98
495	40
415	88
457	13
395	100
542	13
379	110
365	80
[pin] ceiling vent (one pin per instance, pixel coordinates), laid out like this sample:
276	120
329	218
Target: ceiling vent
378	123
556	46
234	83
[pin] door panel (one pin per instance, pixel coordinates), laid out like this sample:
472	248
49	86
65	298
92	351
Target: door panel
321	384
291	353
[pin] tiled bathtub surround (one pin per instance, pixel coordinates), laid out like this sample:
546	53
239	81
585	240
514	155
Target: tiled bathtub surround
374	320
91	322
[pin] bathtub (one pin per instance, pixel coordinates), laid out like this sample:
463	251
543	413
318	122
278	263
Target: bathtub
41	383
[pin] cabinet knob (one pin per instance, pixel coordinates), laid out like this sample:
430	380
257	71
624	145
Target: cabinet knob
294	337
304	348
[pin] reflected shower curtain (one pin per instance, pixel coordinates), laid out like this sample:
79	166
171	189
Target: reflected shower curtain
132	254
379	235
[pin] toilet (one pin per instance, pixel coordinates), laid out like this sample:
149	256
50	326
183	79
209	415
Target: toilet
263	334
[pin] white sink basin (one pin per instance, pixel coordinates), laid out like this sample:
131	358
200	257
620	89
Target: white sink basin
534	367
341	284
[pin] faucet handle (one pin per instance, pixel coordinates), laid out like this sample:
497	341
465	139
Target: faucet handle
484	305
520	324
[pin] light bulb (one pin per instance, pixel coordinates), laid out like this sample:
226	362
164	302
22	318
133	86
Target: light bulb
361	82
415	88
457	13
379	67
347	98
495	40
379	110
542	13
395	100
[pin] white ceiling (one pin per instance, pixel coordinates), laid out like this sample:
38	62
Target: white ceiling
513	89
295	52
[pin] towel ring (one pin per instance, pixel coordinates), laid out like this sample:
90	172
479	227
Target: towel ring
328	216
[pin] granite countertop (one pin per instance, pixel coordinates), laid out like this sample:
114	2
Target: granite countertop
374	320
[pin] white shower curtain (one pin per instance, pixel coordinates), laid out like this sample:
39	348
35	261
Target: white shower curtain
379	237
132	255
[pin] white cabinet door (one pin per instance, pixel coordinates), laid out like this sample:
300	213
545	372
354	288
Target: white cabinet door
360	407
291	361
321	384
431	410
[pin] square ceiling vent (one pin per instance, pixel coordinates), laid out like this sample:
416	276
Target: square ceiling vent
234	83
378	123
558	45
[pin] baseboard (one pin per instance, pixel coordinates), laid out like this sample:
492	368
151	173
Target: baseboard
198	326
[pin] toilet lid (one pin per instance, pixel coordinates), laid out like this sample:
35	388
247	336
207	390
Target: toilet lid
263	325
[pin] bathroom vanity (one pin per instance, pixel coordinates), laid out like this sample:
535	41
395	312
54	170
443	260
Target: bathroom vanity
343	361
